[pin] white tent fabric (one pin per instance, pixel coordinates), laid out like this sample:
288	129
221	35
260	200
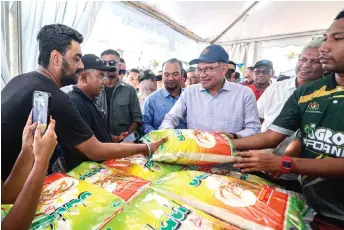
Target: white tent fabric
142	38
79	15
266	20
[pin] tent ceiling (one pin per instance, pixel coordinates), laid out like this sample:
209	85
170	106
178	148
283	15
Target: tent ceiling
267	19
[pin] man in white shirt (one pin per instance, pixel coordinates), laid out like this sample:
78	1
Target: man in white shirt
308	69
215	104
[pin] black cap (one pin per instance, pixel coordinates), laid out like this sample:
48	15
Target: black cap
264	62
147	75
91	61
191	69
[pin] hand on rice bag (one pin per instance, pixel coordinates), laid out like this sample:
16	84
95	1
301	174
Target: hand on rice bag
142	167
238	202
67	203
152	211
191	147
119	183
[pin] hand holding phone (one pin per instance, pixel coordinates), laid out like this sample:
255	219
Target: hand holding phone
41	109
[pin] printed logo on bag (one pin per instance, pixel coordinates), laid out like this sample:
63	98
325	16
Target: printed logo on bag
324	140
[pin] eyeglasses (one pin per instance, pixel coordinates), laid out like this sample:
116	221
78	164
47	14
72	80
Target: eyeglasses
110	63
265	72
206	70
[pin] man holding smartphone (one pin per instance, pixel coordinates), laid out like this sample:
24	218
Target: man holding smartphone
59	60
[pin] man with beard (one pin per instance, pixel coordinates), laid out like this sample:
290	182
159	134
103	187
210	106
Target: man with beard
59	60
262	73
119	100
215	104
317	110
158	104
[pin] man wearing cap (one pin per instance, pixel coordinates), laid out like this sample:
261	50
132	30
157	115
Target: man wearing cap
215	104
119	100
90	83
192	78
147	85
262	73
159	103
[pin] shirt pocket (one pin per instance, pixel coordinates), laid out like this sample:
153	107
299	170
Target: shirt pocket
122	110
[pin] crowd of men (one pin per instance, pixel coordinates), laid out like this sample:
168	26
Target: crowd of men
105	107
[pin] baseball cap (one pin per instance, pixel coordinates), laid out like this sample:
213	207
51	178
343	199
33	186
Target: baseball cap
91	61
264	62
148	74
191	69
211	54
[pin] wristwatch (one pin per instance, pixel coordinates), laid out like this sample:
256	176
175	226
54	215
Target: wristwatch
285	164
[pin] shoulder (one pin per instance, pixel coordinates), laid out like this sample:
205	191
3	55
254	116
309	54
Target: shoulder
155	95
241	89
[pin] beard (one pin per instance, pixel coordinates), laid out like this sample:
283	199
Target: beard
68	76
111	75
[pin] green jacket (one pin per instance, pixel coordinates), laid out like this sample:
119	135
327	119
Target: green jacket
124	108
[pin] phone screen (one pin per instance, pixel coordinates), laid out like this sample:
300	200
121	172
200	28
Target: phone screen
40	110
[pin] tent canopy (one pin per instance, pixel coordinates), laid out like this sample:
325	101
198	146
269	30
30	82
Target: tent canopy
247	21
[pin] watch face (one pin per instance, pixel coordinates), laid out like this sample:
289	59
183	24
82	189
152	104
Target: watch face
286	164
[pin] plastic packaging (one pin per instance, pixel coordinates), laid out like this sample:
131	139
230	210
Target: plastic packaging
191	147
241	203
67	203
152	211
112	180
140	166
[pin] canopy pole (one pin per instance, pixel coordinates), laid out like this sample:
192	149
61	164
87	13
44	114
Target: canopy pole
235	22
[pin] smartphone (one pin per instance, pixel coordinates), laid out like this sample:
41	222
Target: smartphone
41	109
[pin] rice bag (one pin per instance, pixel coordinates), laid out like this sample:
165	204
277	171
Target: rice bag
140	166
67	203
220	170
119	183
152	211
191	147
241	203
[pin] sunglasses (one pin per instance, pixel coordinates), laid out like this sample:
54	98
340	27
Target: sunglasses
122	71
265	72
110	63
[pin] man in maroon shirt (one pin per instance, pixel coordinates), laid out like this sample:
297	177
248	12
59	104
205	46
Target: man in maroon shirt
248	76
262	73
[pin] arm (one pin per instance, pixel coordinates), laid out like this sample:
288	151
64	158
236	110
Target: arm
148	115
135	112
254	161
251	119
268	139
21	169
176	114
294	149
23	210
98	151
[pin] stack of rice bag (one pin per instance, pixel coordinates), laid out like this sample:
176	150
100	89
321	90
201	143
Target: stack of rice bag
141	193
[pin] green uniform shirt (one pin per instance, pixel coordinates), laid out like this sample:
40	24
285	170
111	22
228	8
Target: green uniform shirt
317	109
